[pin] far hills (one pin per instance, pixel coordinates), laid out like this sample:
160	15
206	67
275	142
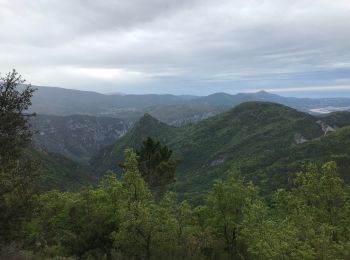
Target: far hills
266	142
179	109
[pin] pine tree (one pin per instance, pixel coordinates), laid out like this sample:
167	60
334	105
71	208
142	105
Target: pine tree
15	133
155	163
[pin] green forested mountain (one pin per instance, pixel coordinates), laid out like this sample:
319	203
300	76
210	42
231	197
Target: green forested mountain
337	119
59	172
332	147
265	142
182	114
250	138
256	147
301	104
262	181
109	157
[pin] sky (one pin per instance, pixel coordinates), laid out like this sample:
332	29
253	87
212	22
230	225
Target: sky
296	47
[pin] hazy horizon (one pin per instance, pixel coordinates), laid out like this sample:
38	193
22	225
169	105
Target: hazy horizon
312	93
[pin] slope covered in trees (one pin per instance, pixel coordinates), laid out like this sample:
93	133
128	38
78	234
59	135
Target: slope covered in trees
120	219
254	150
335	147
337	119
59	172
249	138
109	157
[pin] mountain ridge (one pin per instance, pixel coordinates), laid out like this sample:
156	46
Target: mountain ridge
59	101
248	136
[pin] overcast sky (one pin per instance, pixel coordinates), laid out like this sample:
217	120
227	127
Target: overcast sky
178	46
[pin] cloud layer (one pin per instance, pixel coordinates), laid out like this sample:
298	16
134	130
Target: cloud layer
177	46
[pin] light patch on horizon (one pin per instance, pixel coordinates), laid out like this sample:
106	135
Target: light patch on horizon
109	74
307	88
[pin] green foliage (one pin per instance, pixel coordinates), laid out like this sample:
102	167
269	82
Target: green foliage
120	219
318	207
59	172
110	157
307	218
18	190
337	119
250	137
335	147
14	129
225	206
136	186
18	176
155	164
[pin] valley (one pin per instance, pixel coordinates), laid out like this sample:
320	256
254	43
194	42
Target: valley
252	138
79	129
77	137
208	137
175	130
90	183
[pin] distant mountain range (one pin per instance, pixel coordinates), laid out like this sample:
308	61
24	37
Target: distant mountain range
59	101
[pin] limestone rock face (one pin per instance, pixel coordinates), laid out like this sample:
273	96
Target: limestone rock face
325	128
78	137
299	139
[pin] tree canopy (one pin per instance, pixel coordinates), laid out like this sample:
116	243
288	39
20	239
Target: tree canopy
156	166
18	176
120	219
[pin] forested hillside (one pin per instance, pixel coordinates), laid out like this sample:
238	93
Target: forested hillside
175	130
60	173
249	138
260	181
337	119
120	219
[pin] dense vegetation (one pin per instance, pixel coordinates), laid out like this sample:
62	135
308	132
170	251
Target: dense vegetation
119	219
250	138
18	178
156	166
59	172
279	193
337	119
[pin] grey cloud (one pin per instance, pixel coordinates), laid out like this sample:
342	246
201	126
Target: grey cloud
171	46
